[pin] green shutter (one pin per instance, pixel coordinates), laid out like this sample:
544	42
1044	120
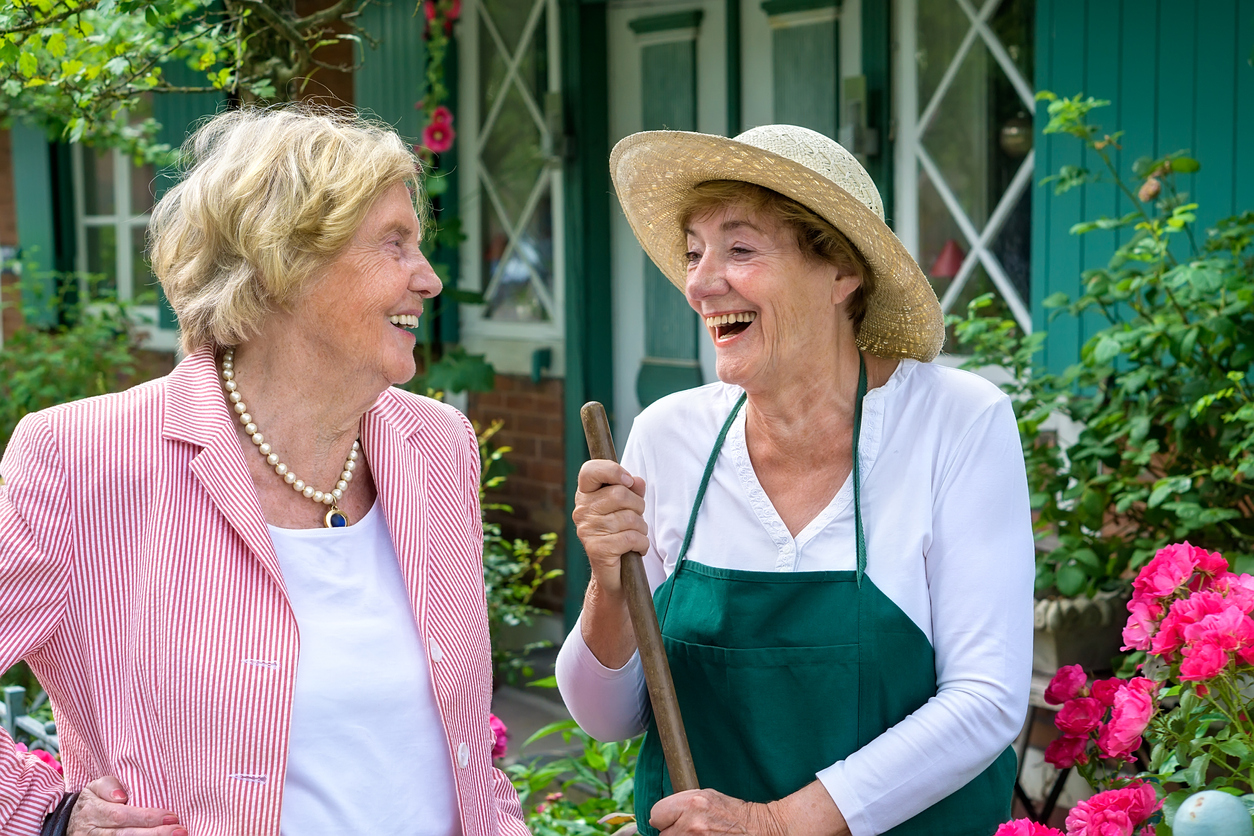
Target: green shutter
805	66
669	94
391	77
1178	77
36	223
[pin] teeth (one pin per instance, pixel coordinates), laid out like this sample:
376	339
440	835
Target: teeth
404	320
727	319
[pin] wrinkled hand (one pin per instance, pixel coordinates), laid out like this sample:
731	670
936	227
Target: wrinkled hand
706	812
102	810
609	508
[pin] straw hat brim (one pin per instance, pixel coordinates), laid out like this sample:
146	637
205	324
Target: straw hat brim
654	171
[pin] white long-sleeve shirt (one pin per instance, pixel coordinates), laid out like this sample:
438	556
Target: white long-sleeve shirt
949	540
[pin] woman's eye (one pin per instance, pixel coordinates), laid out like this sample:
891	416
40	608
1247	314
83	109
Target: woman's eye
740	251
692	257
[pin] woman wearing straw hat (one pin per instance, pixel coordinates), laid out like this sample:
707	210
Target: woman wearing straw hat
837	531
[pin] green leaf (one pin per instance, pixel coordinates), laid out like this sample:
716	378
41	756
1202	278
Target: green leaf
1070	580
1107	349
1185	165
1056	300
27	64
551	728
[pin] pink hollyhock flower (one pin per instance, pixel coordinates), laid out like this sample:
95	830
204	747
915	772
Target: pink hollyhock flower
1104	690
1066	752
1080	716
1026	827
1114	812
1067	684
500	736
1203	660
441	116
438	136
46	757
428	9
1130	714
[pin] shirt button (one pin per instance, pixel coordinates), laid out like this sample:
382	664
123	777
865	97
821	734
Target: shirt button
436	653
463	755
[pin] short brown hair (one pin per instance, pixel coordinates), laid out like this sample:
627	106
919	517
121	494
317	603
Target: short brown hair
268	198
816	238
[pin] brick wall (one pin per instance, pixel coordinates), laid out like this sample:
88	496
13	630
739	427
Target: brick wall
536	489
10	307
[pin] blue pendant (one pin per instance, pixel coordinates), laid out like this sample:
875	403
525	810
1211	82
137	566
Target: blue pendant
335	518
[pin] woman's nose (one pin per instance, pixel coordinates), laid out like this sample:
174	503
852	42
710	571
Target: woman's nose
705	278
423	280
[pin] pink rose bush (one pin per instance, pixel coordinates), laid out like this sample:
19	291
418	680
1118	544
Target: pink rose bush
1182	716
500	736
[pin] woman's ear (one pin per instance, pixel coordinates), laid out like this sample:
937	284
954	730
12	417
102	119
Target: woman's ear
843	286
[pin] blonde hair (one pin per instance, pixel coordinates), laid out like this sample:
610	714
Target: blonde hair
816	237
268	198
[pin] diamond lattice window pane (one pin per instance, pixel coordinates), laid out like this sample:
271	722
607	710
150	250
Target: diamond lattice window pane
511	155
511	269
958	137
938	233
941	27
1014	25
491	70
510	18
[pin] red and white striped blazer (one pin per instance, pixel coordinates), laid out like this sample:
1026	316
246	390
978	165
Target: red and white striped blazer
138	579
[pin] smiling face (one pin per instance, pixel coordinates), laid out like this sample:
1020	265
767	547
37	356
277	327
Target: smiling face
773	312
359	315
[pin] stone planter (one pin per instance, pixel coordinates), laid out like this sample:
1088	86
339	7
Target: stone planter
1084	631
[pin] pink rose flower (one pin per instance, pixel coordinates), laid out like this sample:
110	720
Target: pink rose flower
46	757
500	735
1186	611
1237	589
1114	812
1104	690
1066	752
1170	569
1026	827
1130	714
1142	623
1080	716
1067	684
438	137
1203	660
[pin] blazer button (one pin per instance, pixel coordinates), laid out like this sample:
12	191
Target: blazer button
463	755
436	653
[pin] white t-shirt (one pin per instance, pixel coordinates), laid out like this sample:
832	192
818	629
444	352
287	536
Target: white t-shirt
949	540
368	751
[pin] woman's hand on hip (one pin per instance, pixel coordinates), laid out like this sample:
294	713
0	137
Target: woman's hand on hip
609	509
102	810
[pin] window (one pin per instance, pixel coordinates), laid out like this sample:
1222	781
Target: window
511	187
112	201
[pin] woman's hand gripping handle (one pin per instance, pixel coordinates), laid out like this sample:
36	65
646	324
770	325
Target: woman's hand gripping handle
635	589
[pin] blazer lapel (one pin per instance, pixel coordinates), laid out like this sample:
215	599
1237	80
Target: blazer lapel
400	474
196	413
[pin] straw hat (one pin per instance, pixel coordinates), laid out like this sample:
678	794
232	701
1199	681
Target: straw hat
653	172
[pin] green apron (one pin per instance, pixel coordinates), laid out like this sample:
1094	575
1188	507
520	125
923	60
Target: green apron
782	674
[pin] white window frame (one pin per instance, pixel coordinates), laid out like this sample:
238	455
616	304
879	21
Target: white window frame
476	325
910	155
124	222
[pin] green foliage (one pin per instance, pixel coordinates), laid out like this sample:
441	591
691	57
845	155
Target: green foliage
1166	449
513	570
601	776
456	371
74	67
93	355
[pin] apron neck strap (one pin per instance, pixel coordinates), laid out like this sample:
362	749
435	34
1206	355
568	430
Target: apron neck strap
857	481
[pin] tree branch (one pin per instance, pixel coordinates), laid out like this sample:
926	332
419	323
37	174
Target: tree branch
330	14
49	21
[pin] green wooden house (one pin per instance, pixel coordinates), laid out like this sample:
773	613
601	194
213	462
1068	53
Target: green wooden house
936	97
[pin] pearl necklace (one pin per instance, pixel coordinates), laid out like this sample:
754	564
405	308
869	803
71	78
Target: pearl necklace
335	518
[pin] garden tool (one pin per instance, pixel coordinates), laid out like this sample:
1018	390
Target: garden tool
657	672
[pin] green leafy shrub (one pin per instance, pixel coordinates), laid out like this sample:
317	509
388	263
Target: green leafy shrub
1161	392
93	355
595	782
513	570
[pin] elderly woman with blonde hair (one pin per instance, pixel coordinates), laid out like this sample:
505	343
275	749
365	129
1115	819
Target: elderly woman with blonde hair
252	589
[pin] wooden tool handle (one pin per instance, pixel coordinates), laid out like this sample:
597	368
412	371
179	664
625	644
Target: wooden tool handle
657	672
